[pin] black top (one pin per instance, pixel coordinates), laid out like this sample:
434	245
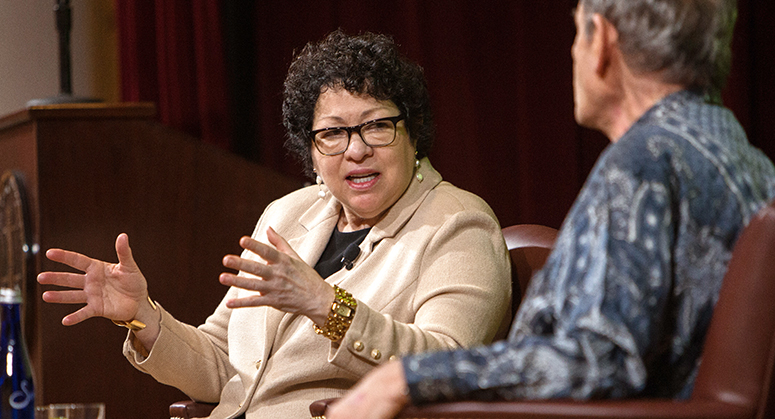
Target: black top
341	250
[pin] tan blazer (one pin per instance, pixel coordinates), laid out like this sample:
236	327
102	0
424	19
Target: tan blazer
433	274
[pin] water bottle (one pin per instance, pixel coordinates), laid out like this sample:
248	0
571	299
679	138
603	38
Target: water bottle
16	387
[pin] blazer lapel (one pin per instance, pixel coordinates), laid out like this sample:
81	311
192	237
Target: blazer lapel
319	222
271	325
400	213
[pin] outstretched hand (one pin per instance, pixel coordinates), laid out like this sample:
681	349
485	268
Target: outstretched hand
282	280
113	291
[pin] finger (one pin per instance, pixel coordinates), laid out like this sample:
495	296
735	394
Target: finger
246	265
73	259
62	279
65	297
77	316
264	251
239	281
280	243
124	252
252	301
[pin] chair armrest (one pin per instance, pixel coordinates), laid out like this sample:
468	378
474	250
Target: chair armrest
190	409
562	409
565	409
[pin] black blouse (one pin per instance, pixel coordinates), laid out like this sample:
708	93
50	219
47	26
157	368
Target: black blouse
342	249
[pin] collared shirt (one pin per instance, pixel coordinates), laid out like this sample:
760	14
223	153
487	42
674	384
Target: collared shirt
624	301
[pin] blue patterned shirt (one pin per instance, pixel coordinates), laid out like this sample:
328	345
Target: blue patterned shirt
623	303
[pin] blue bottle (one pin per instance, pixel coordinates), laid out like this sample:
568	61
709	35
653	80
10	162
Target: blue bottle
16	387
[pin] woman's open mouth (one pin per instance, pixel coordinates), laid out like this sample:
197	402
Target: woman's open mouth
362	180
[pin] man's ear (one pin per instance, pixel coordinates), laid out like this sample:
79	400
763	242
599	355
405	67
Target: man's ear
605	39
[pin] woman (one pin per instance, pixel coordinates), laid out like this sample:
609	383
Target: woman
410	263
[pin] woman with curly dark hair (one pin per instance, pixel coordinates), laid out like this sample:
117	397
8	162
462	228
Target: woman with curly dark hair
369	64
379	259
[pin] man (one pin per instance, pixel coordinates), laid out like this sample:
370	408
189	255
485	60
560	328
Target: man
623	304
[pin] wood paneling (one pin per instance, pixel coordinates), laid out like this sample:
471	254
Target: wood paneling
93	171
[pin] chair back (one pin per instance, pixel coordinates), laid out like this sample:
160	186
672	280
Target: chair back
739	354
529	245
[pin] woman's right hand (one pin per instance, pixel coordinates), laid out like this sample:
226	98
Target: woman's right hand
114	291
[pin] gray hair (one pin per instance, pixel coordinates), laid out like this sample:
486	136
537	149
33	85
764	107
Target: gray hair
689	41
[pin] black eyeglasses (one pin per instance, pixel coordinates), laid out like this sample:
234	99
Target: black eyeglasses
375	133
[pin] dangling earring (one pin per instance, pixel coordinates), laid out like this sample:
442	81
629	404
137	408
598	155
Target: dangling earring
319	181
417	168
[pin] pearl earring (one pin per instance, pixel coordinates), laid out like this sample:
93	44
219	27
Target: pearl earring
416	168
319	181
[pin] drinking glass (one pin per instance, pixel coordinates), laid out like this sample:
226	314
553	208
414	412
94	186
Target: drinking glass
71	411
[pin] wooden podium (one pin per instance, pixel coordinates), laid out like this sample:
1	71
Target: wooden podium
92	171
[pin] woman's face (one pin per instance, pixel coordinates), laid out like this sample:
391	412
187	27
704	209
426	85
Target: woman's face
366	180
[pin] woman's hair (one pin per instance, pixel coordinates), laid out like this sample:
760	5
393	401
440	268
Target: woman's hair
364	64
688	40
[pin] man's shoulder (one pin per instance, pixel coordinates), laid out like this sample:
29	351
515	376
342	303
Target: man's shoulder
682	128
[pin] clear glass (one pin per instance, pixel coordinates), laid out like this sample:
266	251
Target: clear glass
71	411
375	133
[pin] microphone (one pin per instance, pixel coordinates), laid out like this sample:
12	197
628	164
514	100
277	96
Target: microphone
350	254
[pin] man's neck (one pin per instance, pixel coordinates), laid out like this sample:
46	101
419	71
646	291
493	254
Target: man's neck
639	94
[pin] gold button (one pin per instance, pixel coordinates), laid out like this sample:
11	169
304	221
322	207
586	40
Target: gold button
358	345
393	357
258	364
376	354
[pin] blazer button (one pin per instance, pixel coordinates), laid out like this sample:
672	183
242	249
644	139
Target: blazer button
358	345
376	354
258	364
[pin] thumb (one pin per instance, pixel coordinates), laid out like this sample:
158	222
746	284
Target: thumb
279	243
124	252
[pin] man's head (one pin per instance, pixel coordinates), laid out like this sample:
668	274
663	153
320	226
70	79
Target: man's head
687	41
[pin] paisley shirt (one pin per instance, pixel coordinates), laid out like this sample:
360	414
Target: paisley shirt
623	303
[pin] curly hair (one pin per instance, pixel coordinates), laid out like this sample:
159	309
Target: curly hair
689	40
363	64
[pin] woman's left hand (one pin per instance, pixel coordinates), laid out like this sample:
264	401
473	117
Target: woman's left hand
283	281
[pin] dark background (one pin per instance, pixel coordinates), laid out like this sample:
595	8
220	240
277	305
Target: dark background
499	74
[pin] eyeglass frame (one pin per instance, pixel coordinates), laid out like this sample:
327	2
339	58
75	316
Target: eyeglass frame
357	128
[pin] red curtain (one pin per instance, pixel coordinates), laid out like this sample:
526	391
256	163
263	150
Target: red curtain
499	74
171	53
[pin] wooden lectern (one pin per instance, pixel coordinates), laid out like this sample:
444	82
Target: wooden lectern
92	171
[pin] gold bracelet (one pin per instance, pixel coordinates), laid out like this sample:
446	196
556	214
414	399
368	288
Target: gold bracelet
134	324
340	317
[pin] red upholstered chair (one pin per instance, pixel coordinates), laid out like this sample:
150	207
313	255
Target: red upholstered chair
735	379
529	246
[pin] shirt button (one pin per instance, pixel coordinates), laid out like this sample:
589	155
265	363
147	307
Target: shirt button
258	364
358	345
376	354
